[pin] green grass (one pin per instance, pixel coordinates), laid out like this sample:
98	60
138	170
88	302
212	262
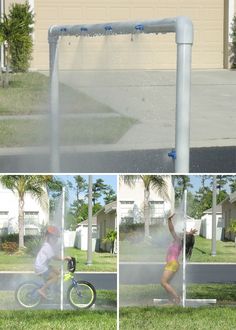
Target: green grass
143	295
226	251
178	318
106	299
102	262
78	131
58	320
28	94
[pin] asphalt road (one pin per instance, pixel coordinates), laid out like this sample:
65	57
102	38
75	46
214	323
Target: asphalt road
101	281
202	160
150	273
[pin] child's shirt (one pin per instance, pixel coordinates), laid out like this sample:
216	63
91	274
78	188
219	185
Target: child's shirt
43	258
174	251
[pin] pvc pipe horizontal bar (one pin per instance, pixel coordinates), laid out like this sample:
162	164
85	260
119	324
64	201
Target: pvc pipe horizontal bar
181	25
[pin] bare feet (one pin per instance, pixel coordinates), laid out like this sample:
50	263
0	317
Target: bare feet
176	301
42	293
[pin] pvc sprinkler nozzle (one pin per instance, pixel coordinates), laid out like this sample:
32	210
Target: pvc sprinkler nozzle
139	27
83	29
172	154
108	28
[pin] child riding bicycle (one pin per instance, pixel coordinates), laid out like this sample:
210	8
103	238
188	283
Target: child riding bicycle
42	263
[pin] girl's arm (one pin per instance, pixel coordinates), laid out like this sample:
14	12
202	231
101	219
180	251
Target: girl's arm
171	227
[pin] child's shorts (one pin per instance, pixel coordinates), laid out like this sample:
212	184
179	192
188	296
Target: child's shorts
46	274
173	266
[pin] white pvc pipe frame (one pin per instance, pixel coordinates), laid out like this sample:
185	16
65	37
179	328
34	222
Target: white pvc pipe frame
62	248
181	26
184	248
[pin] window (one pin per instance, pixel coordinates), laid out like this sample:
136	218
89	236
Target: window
126	209
157	209
31	218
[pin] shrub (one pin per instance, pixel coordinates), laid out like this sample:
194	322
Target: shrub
233	44
33	245
10	238
21	44
9	247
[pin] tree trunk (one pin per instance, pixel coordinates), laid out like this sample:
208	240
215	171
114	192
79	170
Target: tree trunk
21	222
6	80
146	213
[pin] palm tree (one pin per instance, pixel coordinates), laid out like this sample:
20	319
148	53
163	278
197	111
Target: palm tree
156	182
182	184
22	184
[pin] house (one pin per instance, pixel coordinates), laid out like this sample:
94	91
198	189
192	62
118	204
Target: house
229	213
35	215
81	238
131	203
106	221
206	225
211	19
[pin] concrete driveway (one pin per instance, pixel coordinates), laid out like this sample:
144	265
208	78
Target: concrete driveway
149	97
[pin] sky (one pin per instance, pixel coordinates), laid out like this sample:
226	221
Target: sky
108	179
196	182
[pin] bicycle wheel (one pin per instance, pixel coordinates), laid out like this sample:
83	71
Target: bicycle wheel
27	295
82	295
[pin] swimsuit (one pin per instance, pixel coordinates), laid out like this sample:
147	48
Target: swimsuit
173	253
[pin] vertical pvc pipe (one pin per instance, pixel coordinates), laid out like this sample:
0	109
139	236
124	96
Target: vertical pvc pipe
62	247
2	46
213	238
183	90
54	106
90	216
184	249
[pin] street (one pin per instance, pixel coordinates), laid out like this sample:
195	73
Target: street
202	160
150	273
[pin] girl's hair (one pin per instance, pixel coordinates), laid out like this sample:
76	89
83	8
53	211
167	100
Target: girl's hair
190	240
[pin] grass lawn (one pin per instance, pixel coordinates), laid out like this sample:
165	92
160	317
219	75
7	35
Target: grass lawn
143	295
28	94
78	131
105	300
178	318
58	320
102	262
226	251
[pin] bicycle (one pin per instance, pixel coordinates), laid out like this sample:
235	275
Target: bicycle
80	294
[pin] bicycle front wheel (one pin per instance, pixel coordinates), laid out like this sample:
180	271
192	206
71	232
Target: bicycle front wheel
82	295
27	295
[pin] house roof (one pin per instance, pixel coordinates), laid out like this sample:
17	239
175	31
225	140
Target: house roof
218	209
108	208
85	222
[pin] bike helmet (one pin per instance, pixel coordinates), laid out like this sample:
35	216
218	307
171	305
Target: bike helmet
53	230
71	265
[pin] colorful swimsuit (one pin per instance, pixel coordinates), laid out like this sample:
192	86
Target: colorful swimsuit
172	257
